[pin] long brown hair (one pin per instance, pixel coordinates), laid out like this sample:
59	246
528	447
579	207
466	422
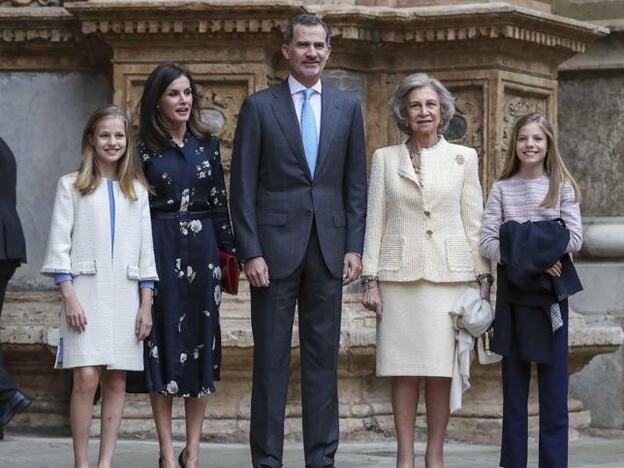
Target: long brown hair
153	132
553	164
129	168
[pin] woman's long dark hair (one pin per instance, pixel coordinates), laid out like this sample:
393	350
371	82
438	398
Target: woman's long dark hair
152	129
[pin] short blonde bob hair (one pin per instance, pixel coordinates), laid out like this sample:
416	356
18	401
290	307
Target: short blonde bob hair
398	102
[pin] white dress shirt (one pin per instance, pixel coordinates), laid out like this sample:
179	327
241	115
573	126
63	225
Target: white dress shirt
315	100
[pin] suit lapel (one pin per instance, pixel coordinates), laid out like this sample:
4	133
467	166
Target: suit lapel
286	117
405	168
330	112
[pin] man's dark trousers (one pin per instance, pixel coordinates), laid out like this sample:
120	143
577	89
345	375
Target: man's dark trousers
7	384
318	296
553	405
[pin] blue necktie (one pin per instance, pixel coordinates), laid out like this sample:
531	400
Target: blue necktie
308	130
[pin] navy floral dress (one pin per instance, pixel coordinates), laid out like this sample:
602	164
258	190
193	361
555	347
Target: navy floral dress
190	221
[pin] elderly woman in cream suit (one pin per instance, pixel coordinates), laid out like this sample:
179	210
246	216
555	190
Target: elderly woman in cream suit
421	250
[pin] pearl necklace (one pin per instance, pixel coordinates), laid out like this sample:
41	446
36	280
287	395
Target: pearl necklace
414	152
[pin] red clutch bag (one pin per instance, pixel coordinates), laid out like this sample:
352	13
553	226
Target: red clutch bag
230	272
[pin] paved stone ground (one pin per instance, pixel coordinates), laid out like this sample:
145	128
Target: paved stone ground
21	451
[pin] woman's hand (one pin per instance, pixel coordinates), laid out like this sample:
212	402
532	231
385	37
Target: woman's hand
555	270
372	299
74	313
143	324
484	289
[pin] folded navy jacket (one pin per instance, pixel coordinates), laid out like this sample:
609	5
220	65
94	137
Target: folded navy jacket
525	292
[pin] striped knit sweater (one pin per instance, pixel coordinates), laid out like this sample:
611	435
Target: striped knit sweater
518	199
428	231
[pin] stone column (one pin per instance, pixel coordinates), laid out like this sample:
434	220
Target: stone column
591	106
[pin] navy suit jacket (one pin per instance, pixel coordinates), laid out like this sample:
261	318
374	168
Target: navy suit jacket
274	199
525	292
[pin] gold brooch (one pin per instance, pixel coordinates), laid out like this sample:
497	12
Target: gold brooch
459	159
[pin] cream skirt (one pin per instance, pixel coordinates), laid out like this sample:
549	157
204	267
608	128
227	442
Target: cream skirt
415	336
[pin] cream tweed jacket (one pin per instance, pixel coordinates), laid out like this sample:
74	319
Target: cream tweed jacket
426	232
105	279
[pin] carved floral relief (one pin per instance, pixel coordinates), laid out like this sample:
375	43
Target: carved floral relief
518	104
22	3
469	106
220	104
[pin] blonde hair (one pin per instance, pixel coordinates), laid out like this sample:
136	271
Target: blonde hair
553	164
129	168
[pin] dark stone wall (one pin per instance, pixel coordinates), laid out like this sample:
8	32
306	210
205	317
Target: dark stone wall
42	118
591	137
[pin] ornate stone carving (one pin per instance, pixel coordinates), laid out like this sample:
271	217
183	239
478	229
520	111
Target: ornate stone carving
469	104
26	21
22	3
518	104
182	26
221	103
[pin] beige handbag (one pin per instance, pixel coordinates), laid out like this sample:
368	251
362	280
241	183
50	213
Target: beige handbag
475	315
470	312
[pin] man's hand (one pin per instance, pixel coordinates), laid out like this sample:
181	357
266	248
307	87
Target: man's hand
257	272
352	267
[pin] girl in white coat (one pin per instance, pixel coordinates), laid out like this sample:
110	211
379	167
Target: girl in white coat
100	254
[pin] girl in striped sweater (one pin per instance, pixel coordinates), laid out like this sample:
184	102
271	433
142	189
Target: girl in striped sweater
534	186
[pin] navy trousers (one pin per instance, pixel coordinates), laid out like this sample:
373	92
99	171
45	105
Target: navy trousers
318	296
553	405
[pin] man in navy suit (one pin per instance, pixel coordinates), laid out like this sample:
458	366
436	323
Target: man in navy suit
12	254
298	201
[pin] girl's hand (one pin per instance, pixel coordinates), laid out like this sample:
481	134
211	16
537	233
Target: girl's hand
143	325
372	300
555	270
74	313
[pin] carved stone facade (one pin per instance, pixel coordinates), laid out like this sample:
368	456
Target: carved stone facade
499	59
591	130
24	3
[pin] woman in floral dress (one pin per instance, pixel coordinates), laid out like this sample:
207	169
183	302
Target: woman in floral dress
190	222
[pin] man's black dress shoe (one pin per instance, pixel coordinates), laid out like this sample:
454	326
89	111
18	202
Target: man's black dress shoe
1	434
18	403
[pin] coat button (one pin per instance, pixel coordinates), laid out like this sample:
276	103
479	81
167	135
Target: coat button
429	232
427	213
309	211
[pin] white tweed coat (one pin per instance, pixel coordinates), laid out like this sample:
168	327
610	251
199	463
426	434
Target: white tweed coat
105	279
426	232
